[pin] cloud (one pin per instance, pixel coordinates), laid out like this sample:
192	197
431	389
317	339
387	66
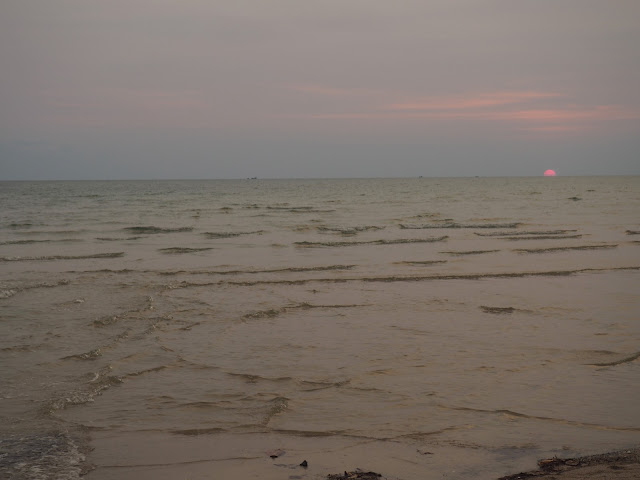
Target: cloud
525	110
471	102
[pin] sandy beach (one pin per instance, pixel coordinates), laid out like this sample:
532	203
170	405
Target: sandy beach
621	465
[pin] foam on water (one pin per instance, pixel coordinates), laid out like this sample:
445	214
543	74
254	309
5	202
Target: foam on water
41	457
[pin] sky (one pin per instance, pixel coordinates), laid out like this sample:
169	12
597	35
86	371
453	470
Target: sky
155	89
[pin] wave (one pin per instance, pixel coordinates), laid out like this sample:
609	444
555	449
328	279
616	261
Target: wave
562	249
7	292
628	359
198	431
28	242
21	348
312	386
270	270
215	235
305	306
459	225
427	215
470	252
424	435
497	310
112	239
20	225
286	206
274	312
313	433
179	250
276	406
90	355
146	371
419	278
512	413
271	313
55	232
349	231
62	257
528	232
371	242
251	378
298	209
542	237
146	305
153	230
420	262
24	242
101	382
188	327
107	320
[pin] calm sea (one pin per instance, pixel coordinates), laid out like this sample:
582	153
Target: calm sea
421	328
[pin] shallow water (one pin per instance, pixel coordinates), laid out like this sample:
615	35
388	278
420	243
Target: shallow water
416	327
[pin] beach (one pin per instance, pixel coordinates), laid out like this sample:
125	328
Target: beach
622	465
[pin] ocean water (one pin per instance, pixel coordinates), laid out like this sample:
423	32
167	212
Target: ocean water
420	328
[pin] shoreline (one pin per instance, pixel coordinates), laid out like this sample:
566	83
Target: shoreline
619	465
616	465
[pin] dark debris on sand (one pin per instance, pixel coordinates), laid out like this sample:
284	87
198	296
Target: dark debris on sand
551	467
355	475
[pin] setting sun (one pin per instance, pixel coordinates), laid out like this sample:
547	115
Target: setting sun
550	173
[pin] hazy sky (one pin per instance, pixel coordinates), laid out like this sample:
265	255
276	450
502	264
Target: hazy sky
307	88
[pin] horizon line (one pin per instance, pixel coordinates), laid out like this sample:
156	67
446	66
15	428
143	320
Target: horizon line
416	177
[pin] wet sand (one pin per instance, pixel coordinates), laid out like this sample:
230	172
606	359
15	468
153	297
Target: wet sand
145	456
621	465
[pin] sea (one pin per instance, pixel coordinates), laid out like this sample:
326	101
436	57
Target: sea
421	328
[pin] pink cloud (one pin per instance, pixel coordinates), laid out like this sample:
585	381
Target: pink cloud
527	110
482	100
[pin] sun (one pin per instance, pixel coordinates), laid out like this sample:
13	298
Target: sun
550	173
